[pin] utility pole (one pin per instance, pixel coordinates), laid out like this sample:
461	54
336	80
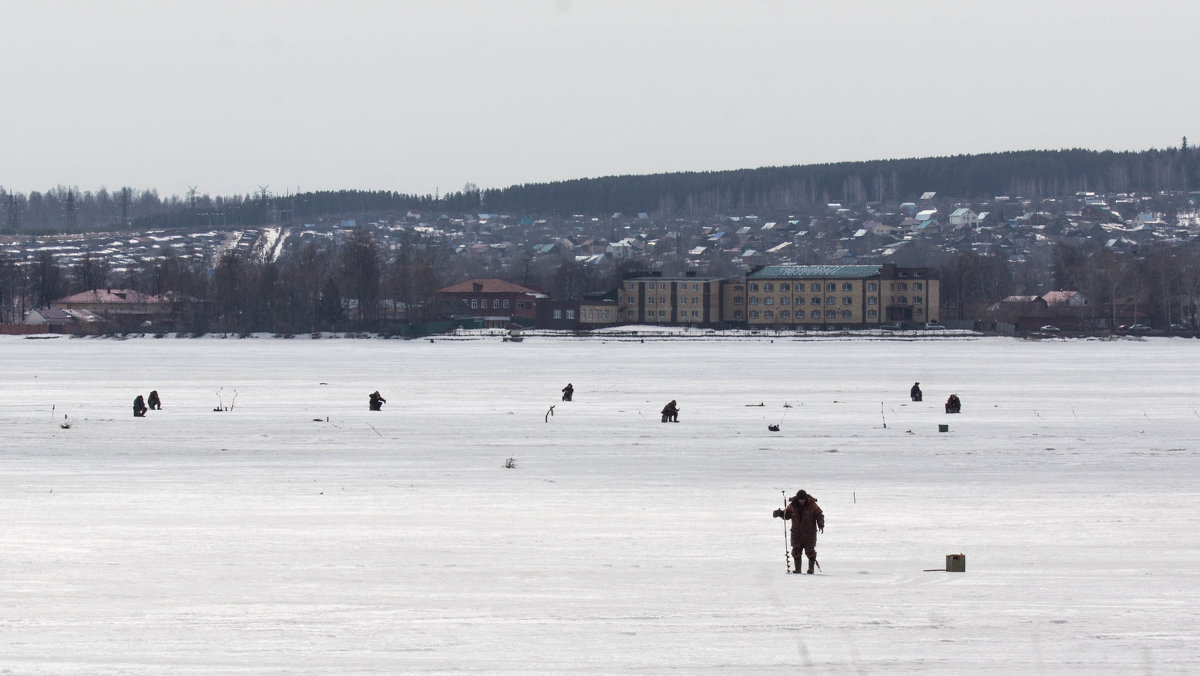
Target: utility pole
125	198
191	206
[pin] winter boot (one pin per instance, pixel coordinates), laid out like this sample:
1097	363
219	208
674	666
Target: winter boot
810	566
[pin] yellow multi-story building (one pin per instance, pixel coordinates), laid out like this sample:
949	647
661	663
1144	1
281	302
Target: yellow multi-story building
670	300
818	296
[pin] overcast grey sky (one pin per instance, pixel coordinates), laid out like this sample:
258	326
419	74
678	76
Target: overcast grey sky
417	96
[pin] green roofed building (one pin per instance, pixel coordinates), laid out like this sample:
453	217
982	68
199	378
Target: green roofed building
840	296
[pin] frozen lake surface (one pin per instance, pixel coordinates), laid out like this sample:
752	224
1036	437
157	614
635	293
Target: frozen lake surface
300	533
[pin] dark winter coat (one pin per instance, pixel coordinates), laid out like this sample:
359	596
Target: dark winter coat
670	412
953	405
568	392
154	402
139	407
915	393
807	518
377	401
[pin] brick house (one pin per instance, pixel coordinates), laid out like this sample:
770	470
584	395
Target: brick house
496	301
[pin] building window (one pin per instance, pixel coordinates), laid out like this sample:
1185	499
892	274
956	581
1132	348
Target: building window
737	314
872	314
505	303
916	286
695	286
754	300
916	300
784	286
683	300
737	300
495	303
662	313
872	300
799	300
570	314
558	314
631	286
871	286
904	300
466	302
831	286
650	300
830	300
662	300
847	286
768	301
902	286
662	286
831	314
754	314
920	312
784	314
783	300
769	314
695	313
816	286
799	314
753	287
768	287
474	303
846	314
816	300
847	300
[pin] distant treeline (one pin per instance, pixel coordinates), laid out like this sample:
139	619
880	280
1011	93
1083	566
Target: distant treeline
1033	174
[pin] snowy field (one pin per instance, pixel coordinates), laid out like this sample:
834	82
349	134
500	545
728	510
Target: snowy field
300	533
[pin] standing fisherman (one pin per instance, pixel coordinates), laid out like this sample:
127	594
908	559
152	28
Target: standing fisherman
807	520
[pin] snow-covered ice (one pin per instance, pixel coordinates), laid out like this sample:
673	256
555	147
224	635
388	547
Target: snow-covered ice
301	533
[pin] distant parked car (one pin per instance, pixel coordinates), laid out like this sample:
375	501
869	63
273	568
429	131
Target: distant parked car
1138	328
1050	328
892	326
1179	327
934	326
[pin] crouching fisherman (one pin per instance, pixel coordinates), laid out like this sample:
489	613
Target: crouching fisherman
953	404
807	520
377	401
670	412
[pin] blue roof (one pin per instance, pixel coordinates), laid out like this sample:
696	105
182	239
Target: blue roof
815	272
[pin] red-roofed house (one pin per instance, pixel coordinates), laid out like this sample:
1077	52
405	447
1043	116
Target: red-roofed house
1067	298
124	305
496	300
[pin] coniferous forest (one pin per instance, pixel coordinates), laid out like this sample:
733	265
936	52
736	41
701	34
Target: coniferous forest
1033	174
